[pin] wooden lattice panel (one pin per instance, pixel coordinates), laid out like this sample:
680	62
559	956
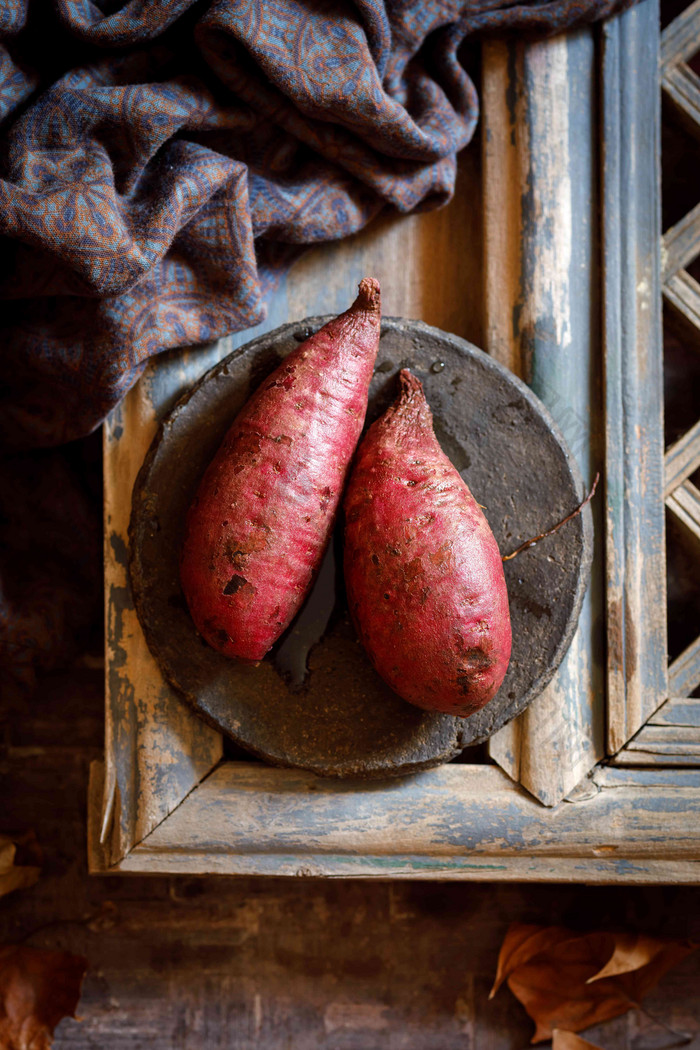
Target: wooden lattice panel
681	245
672	736
680	85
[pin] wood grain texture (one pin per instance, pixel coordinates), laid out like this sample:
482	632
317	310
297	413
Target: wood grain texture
682	88
682	459
658	780
684	504
669	737
636	592
156	750
679	41
682	295
456	822
684	672
678	711
504	162
681	243
539	186
679	83
662	746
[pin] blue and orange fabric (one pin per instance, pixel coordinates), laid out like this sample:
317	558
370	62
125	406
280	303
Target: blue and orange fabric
161	159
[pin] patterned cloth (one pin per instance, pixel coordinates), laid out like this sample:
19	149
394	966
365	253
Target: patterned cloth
161	159
150	150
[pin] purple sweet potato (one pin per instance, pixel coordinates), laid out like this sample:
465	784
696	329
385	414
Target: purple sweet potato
422	568
265	509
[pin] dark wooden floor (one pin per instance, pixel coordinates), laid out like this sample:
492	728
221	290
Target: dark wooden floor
201	964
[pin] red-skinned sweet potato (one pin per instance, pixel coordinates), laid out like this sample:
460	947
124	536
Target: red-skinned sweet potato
423	571
265	509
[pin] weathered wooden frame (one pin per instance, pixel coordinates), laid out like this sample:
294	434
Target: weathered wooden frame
165	800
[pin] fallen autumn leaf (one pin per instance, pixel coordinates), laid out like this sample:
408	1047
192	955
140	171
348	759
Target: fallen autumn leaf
570	981
523	943
38	989
634	952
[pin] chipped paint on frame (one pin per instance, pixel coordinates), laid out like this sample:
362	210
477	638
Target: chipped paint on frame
537	97
631	238
156	749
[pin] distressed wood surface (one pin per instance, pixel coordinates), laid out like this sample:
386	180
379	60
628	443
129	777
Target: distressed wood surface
681	243
156	750
684	672
505	171
636	588
679	41
682	459
658	780
662	746
455	822
679	711
682	294
540	306
684	504
682	88
671	736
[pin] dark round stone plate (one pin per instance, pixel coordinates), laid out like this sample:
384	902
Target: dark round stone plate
338	718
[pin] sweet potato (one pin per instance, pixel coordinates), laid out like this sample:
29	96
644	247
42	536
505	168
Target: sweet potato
422	568
265	509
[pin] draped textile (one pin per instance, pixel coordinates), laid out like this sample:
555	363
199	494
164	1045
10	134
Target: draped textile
160	160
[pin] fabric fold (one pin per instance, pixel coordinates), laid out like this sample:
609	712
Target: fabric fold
161	161
154	175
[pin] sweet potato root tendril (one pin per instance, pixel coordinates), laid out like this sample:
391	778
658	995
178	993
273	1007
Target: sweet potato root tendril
555	528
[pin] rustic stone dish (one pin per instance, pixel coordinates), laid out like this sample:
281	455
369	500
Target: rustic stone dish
340	719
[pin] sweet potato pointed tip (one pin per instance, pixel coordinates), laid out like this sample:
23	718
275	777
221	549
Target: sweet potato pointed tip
410	404
369	294
410	384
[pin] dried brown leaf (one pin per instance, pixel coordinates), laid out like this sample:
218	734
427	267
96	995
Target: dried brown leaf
522	943
553	986
563	1040
570	981
38	988
634	951
15	872
638	982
